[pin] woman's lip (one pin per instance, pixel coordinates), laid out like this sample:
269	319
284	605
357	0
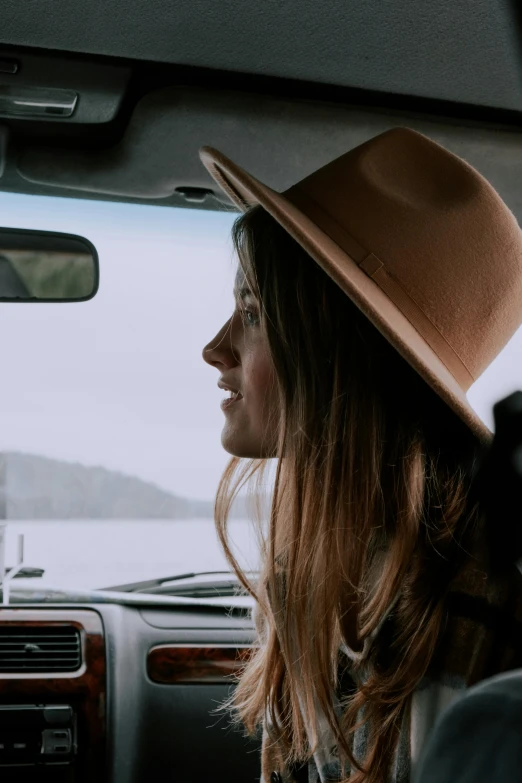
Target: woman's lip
228	401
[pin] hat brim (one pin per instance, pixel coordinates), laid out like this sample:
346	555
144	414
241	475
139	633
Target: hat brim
246	191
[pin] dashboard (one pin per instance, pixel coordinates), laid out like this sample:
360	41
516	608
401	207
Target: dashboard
122	693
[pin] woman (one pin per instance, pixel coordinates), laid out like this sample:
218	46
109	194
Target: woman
368	298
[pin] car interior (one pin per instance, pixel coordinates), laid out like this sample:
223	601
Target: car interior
110	102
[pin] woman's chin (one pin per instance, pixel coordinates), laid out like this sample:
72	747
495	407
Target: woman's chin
238	450
240	447
232	443
237	445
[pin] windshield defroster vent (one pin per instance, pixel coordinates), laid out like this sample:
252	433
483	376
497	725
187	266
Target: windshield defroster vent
26	648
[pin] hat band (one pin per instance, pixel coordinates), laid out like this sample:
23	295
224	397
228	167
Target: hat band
375	269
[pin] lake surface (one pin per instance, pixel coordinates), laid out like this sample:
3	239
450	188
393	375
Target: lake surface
90	554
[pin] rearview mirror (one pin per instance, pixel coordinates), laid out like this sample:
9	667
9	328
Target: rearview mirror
43	266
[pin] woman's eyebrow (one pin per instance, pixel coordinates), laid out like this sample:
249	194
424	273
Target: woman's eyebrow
242	293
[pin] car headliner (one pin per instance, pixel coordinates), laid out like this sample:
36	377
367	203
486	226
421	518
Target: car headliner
463	55
460	51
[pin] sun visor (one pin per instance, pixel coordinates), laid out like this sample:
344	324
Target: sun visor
279	140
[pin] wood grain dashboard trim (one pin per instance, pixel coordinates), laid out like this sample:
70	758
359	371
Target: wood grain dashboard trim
85	689
171	664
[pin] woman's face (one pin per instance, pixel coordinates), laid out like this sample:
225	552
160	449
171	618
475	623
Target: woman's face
241	354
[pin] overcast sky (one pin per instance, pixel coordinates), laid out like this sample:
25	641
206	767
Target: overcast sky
119	381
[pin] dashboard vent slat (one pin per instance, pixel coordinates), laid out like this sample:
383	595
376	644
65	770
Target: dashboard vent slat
39	649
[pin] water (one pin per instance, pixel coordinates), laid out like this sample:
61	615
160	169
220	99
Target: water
87	554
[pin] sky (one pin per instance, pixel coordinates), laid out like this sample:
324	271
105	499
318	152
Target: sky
119	381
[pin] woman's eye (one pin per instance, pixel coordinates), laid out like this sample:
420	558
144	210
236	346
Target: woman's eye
250	317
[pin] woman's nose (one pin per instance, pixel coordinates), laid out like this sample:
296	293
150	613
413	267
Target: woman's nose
219	351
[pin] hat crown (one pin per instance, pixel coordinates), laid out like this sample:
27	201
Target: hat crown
418	240
431	228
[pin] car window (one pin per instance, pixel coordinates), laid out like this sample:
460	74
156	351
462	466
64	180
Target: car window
110	425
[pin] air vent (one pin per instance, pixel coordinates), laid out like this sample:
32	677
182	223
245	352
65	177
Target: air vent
51	648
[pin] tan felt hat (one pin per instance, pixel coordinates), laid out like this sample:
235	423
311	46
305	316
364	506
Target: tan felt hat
418	240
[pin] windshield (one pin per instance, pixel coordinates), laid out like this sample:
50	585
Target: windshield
110	428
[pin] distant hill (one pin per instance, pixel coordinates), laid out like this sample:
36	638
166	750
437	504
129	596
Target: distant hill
34	487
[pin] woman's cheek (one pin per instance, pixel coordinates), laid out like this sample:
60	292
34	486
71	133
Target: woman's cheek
260	370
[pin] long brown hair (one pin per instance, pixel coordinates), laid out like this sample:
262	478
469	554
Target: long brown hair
369	516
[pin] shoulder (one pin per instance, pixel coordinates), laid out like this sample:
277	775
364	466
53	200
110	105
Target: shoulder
482	631
478	736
